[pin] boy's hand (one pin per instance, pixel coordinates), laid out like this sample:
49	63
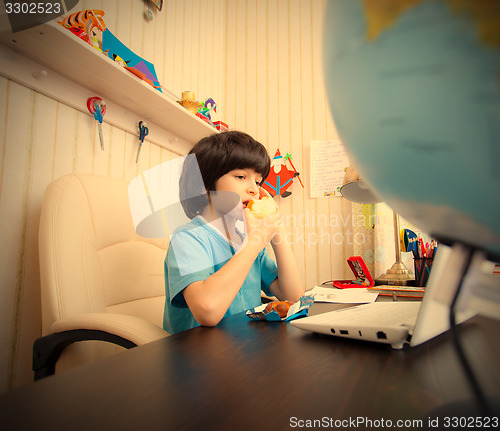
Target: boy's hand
261	231
280	233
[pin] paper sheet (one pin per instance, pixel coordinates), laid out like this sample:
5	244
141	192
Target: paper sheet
343	296
328	163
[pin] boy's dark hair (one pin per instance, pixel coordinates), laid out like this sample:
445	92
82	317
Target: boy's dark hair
216	155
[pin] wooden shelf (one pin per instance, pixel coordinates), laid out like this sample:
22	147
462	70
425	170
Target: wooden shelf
58	49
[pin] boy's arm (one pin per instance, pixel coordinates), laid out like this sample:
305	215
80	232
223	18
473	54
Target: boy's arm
288	285
209	299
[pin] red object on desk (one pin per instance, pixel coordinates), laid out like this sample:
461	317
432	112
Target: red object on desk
363	276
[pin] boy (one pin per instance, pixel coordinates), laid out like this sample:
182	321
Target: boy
212	270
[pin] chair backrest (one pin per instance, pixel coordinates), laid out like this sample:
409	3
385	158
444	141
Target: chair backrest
91	259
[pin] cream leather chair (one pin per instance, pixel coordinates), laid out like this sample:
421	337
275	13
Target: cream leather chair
99	279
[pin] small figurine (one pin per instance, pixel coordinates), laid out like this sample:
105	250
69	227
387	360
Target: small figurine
189	102
207	107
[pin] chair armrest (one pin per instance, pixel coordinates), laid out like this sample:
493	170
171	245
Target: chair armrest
138	331
123	330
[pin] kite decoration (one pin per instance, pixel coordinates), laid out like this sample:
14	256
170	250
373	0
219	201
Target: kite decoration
133	63
280	177
89	26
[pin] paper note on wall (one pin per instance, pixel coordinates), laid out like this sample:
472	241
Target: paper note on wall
328	163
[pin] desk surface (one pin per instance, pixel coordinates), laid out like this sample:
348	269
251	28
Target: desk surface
247	374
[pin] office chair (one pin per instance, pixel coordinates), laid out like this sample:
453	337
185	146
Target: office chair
99	279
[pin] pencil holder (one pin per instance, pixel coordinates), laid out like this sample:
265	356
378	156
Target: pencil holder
423	267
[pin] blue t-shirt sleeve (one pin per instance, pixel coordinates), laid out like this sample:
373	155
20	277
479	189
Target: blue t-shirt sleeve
187	261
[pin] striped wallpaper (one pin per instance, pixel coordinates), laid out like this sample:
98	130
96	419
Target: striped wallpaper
275	92
259	59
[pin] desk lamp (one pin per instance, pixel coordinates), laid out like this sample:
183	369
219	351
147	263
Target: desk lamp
355	189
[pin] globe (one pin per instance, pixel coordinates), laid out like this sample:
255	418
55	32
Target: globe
414	91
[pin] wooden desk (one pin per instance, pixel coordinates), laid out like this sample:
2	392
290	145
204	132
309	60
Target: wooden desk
246	375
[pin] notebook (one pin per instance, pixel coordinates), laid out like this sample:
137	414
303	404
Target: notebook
398	323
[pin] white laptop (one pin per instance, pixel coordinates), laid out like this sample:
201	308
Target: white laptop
399	323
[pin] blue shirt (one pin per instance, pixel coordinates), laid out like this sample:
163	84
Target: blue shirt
197	251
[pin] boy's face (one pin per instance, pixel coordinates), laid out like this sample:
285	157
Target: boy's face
245	183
